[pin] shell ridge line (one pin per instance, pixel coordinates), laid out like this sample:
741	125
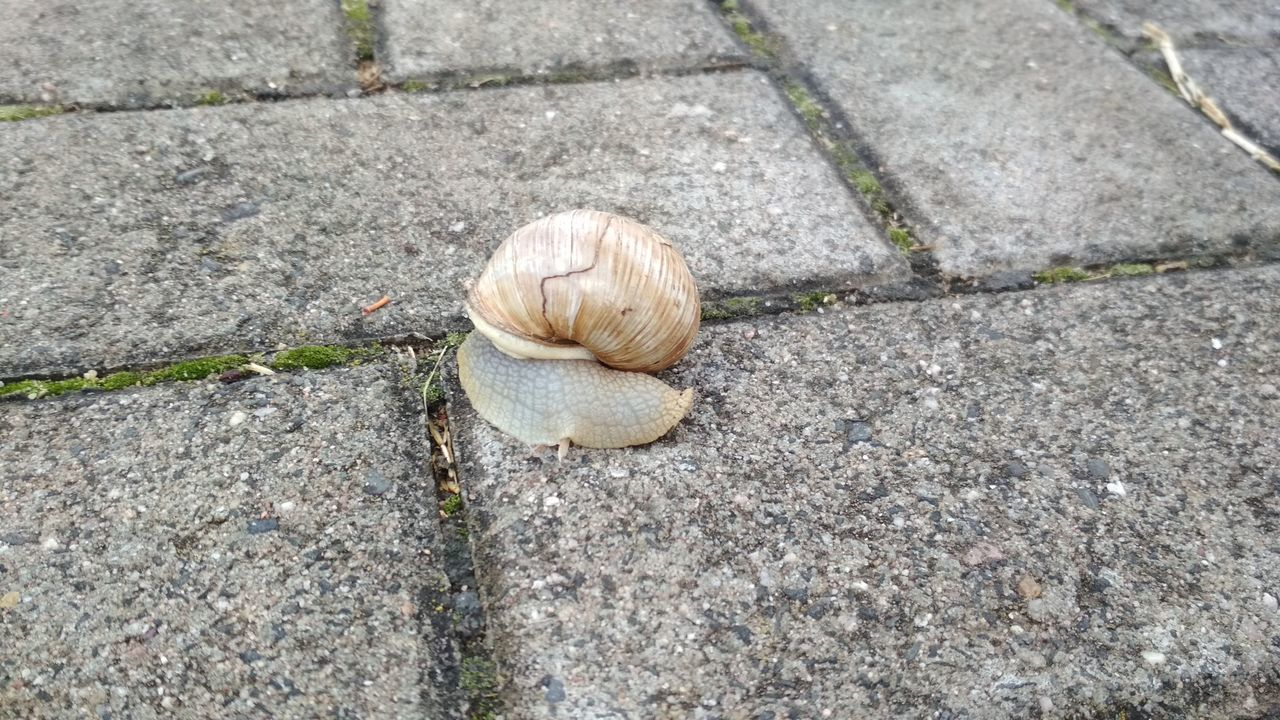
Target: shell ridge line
595	258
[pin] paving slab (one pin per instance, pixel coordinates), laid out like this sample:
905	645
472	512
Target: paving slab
430	37
1057	503
251	550
135	53
1016	140
1189	19
145	236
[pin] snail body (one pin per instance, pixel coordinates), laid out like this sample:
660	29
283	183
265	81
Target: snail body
561	299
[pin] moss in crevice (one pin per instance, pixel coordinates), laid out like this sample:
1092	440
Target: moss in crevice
18	113
760	44
808	302
213	97
1131	269
315	357
479	680
194	369
901	238
730	308
804	104
359	27
1061	275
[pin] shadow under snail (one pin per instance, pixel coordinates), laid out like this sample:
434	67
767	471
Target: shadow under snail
572	311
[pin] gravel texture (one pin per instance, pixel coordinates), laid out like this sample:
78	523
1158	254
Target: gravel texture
429	37
1014	139
148	236
261	549
1058	503
137	53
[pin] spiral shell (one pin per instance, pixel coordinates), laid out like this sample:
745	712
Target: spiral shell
585	284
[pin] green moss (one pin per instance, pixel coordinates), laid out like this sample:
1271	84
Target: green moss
1066	5
479	680
17	113
44	388
1061	275
25	388
359	27
902	238
759	44
194	369
451	504
213	97
808	302
120	380
731	308
804	104
413	86
1131	269
865	182
315	357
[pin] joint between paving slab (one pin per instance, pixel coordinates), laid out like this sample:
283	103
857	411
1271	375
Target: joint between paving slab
226	368
833	134
500	77
459	611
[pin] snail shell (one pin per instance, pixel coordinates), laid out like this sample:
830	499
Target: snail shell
560	294
584	284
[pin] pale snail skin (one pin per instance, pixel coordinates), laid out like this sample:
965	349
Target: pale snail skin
561	293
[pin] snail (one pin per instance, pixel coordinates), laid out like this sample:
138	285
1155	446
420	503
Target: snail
571	311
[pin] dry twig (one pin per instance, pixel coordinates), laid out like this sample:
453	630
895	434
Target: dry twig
1196	98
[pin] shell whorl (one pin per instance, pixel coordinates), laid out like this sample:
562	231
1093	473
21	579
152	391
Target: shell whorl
583	284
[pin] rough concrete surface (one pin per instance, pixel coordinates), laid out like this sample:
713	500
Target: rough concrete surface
1015	139
1189	19
203	550
147	236
147	52
426	37
1246	84
1051	504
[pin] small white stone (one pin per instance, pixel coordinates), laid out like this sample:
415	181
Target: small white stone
286	506
1216	343
1116	488
458	226
1153	657
550	501
1269	601
719	167
50	543
1222	362
237	417
551	114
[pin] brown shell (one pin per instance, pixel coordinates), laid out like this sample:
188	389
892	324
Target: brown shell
602	281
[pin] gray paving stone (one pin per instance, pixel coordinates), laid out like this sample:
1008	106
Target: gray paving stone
1188	19
147	52
1058	503
1246	83
206	550
1015	139
144	236
426	37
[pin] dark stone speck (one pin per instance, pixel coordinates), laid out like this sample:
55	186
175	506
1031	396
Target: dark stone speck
1099	469
555	689
375	483
257	527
